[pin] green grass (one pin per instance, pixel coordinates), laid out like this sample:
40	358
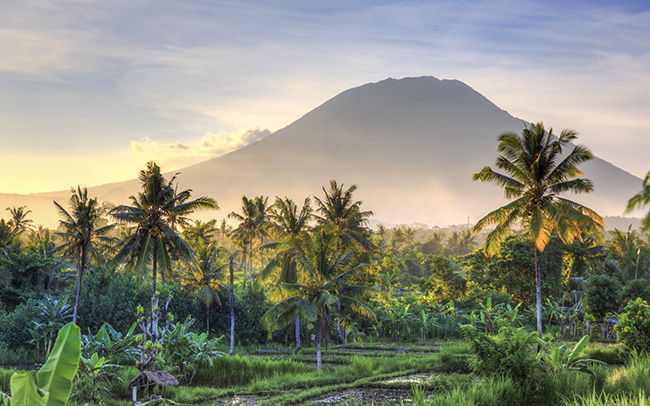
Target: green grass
5	377
279	378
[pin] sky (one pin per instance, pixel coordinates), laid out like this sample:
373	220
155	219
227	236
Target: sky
92	90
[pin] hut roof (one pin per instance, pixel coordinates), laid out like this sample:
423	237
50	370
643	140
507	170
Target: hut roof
153	378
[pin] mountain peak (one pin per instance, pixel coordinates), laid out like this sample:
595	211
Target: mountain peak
411	146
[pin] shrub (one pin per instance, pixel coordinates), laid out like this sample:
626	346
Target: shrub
635	288
633	328
510	354
601	295
109	297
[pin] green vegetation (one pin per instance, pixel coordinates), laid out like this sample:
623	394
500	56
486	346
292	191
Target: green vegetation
319	306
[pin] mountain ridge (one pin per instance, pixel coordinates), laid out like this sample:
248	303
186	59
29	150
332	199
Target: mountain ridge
410	145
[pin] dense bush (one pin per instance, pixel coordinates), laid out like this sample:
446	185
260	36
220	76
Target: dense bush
601	295
633	328
633	289
250	306
15	326
512	269
109	297
510	354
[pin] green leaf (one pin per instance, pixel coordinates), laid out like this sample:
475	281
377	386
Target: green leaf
578	349
58	372
24	391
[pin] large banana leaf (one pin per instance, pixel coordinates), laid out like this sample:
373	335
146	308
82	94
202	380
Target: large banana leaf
24	391
55	377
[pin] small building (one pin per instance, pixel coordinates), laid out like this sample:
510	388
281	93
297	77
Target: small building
147	380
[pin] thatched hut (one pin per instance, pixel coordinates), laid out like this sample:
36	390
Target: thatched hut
147	380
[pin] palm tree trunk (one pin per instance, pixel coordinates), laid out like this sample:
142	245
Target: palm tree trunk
231	301
338	321
154	268
250	260
244	261
298	345
319	333
82	263
155	311
538	293
207	321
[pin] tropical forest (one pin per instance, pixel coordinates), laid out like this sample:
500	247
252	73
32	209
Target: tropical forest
167	300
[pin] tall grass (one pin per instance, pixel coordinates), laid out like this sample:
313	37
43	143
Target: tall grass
241	371
604	399
632	379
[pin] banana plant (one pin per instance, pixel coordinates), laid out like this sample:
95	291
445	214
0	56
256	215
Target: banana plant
560	358
95	373
203	350
54	380
112	344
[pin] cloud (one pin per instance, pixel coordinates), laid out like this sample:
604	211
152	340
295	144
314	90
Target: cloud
211	145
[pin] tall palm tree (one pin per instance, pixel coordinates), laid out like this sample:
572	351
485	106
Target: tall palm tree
641	199
80	229
325	267
288	225
204	279
246	230
340	213
154	239
536	173
224	231
19	220
7	234
262	226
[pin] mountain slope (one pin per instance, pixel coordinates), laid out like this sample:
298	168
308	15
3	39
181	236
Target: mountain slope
411	146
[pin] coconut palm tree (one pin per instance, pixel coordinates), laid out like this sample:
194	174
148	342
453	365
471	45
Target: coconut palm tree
342	215
326	267
536	174
262	226
641	199
246	230
7	234
154	239
205	278
19	220
80	228
288	225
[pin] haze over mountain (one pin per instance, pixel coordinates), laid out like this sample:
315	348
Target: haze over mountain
410	145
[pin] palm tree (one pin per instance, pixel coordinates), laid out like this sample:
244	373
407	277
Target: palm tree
409	235
397	239
245	232
204	278
195	231
289	226
641	199
19	220
80	228
325	266
261	225
224	230
536	173
154	239
341	214
7	234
